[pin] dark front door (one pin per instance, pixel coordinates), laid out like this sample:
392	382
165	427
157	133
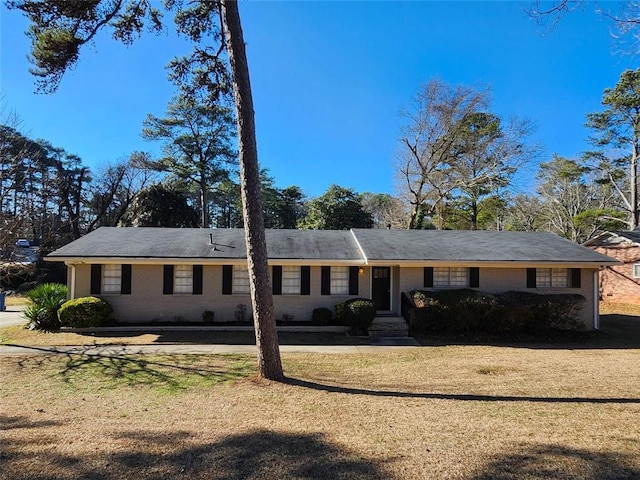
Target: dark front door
381	287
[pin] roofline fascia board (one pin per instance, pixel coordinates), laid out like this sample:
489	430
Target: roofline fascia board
349	262
197	261
490	264
364	255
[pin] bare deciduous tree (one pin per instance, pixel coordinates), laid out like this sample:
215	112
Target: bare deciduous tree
433	124
624	15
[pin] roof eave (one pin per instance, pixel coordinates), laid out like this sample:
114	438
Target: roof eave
74	260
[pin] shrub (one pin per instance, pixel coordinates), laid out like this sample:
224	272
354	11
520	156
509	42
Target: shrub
45	299
538	314
85	312
208	316
341	313
470	311
360	312
321	316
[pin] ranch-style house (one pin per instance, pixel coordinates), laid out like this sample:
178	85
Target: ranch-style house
167	274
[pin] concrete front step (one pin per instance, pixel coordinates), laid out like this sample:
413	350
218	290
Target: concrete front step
388	327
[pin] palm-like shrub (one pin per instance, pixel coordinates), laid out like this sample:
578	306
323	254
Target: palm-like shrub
45	299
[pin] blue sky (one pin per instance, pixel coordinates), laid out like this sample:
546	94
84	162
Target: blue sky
329	80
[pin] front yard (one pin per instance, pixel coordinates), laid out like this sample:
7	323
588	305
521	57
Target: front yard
466	412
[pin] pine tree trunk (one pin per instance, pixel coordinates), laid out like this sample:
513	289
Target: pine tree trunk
204	205
635	213
269	363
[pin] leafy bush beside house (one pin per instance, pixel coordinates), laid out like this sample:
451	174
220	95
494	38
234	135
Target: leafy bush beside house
536	314
470	311
360	313
85	312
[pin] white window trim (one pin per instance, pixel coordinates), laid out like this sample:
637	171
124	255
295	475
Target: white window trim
636	270
447	283
552	279
183	280
111	272
339	282
291	280
240	280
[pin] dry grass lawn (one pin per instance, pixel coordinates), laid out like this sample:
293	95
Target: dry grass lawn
464	412
535	411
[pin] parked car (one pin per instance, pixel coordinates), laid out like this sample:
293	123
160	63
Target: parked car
23	243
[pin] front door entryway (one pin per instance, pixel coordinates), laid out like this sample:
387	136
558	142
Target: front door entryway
381	288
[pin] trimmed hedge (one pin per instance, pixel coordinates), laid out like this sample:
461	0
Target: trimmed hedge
360	313
85	312
470	311
341	313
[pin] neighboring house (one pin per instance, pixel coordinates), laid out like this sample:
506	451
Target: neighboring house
621	282
162	274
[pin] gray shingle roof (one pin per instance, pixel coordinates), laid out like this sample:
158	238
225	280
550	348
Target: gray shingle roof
634	236
476	246
196	243
327	245
614	237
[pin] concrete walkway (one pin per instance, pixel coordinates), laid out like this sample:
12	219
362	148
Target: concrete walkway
13	316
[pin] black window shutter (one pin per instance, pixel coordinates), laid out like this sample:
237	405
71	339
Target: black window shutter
474	277
531	278
305	280
353	280
125	279
227	279
276	271
325	280
96	279
167	280
576	279
428	277
197	279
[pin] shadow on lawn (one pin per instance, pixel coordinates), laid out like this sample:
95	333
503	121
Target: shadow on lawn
554	461
253	455
178	371
456	396
21	421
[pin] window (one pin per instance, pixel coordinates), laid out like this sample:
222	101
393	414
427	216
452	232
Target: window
636	270
552	277
450	277
240	279
290	280
335	281
111	278
339	280
183	279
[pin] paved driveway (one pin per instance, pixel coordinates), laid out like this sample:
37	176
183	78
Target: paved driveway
13	316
